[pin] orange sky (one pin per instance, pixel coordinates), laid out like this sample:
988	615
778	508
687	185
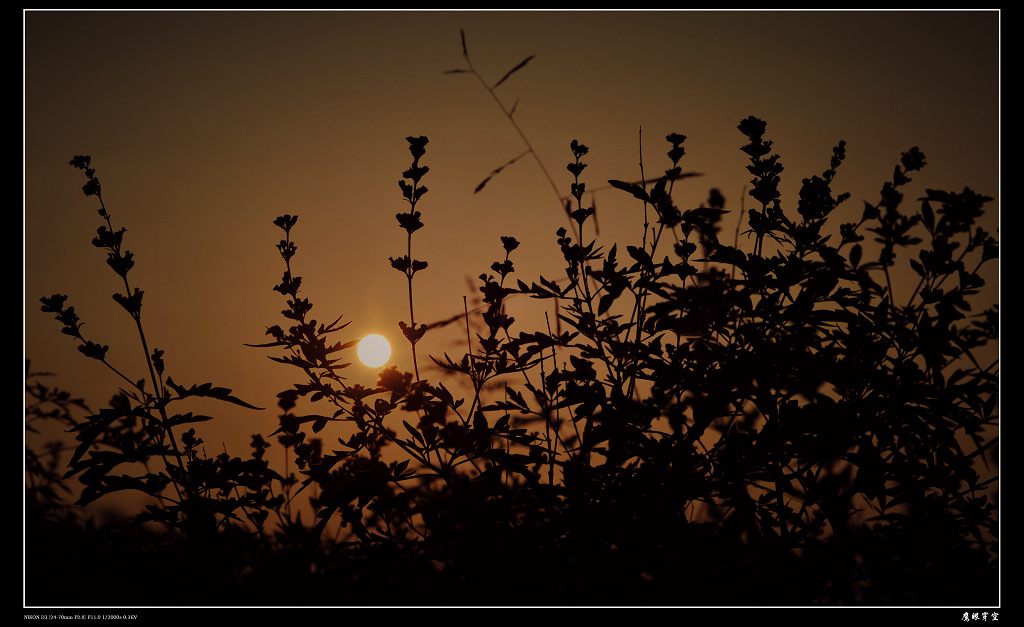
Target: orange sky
205	126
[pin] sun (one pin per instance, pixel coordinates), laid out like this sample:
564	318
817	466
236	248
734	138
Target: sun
374	350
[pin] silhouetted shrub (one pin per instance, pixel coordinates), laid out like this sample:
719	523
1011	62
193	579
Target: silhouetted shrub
762	422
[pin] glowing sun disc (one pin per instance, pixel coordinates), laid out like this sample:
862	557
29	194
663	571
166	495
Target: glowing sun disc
374	350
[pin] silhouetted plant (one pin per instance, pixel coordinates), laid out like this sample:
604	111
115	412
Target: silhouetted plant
45	489
509	113
209	508
763	418
707	423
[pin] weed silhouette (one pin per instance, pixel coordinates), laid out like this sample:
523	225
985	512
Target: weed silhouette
708	424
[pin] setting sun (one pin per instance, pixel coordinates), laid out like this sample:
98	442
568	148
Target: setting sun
374	350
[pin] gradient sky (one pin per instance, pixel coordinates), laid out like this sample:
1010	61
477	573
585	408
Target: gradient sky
205	126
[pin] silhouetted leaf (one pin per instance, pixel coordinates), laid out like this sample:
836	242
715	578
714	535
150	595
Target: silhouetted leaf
633	188
180	419
518	67
207	390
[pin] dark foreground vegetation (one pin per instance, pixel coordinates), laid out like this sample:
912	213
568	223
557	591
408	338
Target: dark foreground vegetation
717	416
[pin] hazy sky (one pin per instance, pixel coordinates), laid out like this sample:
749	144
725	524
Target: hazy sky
205	126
